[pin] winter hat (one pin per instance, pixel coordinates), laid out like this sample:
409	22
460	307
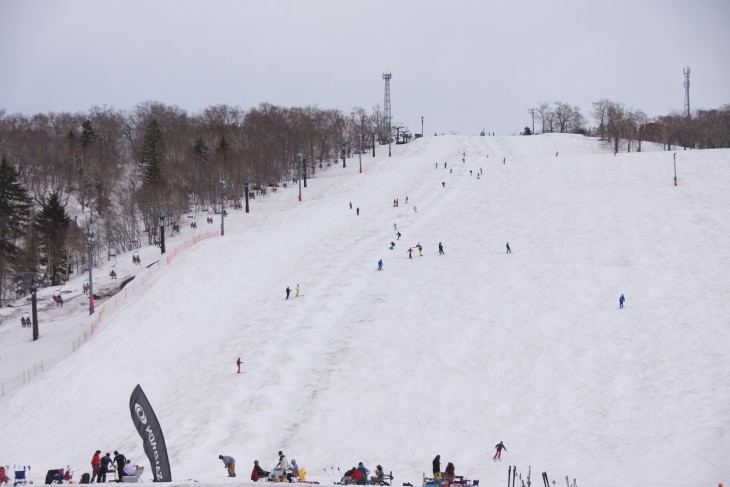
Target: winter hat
98	451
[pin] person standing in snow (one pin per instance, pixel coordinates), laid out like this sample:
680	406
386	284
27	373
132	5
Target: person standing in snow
287	292
415	209
380	265
621	301
406	199
230	464
358	211
95	465
420	249
441	249
106	460
410	253
443	183
509	250
437	469
238	364
296	295
449	473
498	454
397	235
283	464
120	460
351	205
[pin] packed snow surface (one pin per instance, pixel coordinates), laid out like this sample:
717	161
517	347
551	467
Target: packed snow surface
439	354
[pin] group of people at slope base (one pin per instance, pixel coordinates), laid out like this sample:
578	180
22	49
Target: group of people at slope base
361	476
282	472
101	465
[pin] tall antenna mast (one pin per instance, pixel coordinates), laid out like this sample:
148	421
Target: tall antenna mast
686	72
388	114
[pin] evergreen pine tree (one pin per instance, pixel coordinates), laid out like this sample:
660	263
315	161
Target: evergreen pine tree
52	223
152	156
14	215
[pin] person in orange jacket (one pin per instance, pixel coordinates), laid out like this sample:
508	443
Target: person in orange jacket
96	466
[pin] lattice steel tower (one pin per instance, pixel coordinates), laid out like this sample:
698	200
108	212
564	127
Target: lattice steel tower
686	72
386	107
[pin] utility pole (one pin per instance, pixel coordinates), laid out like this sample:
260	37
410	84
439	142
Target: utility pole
304	169
532	111
359	154
675	168
245	186
422	134
162	234
686	72
223	230
299	159
90	247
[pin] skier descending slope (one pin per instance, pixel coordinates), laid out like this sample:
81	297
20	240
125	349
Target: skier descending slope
621	301
498	454
380	265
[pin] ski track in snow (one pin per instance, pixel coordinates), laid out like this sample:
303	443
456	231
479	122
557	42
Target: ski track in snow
436	354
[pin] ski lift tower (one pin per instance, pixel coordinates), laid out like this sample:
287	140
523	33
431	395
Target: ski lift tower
686	72
386	107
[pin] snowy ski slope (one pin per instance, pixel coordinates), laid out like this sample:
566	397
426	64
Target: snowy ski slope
435	355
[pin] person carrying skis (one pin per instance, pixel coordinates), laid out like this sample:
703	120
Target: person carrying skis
229	463
410	253
392	245
621	301
238	364
380	265
498	454
437	470
287	292
441	249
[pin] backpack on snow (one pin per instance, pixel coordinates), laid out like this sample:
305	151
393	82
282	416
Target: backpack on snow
254	475
85	478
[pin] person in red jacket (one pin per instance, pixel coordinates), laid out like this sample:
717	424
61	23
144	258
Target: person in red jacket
96	466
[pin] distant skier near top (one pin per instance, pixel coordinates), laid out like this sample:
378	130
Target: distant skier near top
238	363
398	235
410	253
287	292
380	265
351	205
498	454
420	249
509	250
441	249
392	245
297	293
621	301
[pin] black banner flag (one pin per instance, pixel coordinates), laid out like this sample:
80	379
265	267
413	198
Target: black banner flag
149	429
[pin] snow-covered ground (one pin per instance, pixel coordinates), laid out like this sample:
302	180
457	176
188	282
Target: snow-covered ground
435	355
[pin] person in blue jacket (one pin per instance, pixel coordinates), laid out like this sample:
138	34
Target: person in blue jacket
621	301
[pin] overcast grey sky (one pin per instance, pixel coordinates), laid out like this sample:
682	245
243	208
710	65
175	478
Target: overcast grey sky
462	64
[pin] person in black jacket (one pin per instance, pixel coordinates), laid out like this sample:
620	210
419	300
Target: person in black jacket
120	460
260	472
498	454
437	469
106	460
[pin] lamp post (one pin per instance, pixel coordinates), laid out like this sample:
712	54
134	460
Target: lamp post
162	234
223	230
90	247
299	159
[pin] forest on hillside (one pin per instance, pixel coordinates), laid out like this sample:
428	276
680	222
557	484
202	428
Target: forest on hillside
120	174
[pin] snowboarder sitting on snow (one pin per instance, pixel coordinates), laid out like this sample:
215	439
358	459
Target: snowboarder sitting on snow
379	476
230	464
258	472
498	454
347	478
